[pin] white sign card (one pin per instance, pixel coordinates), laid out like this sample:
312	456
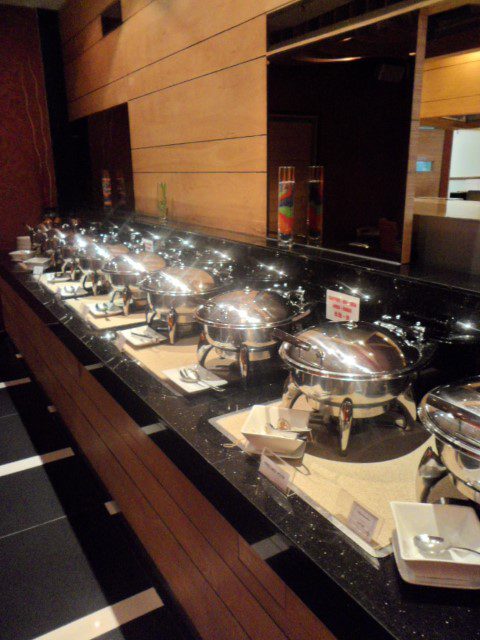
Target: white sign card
278	475
342	307
149	245
38	270
362	522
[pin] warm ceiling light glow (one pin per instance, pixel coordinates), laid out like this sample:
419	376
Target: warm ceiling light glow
412	53
323	60
347	39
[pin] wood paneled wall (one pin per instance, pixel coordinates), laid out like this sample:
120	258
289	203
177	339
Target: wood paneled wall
451	85
194	77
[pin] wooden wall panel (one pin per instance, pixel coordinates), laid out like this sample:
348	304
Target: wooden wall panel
451	85
230	201
76	14
240	44
234	155
83	40
192	72
158	30
228	104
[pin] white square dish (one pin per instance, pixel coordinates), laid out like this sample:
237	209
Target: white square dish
283	443
458	525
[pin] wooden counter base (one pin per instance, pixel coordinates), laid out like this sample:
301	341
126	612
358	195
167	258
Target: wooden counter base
225	589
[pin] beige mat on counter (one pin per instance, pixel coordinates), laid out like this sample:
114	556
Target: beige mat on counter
102	323
331	487
163	356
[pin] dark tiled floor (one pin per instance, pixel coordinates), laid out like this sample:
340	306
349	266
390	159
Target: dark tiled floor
62	556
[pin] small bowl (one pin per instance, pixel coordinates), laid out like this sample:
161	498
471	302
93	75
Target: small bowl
459	525
260	436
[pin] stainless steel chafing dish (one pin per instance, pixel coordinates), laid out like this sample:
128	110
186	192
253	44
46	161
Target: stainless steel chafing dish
124	273
452	414
175	293
353	370
91	258
241	325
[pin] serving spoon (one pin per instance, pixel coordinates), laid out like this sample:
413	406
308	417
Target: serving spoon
436	544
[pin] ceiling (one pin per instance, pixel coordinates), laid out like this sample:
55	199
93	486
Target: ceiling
40	4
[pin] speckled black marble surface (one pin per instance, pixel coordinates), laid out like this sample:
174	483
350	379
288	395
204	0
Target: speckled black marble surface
330	573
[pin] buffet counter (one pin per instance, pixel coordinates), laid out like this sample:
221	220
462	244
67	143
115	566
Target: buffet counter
194	500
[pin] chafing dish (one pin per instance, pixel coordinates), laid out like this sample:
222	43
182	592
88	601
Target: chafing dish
452	414
175	293
240	325
124	273
353	370
91	258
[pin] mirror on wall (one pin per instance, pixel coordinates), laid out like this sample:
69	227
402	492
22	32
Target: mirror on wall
103	176
344	103
447	180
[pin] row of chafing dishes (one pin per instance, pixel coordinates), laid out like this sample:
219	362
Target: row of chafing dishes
353	370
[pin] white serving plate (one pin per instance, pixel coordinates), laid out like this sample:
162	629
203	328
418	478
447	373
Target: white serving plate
407	574
283	443
21	255
140	337
457	524
37	261
193	387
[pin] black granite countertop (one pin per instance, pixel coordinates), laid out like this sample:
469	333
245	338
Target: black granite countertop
341	584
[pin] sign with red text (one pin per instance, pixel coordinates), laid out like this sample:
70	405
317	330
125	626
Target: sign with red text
342	307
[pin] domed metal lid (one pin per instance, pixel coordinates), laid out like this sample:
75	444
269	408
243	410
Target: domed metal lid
452	413
125	265
354	351
245	308
179	280
89	249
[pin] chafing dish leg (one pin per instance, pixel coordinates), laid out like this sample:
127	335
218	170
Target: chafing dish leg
85	284
126	300
244	361
172	323
345	421
290	394
203	349
430	471
408	407
149	320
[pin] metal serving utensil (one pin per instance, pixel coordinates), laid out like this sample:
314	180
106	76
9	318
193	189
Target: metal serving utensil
434	545
191	375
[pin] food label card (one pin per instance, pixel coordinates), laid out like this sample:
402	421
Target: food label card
342	307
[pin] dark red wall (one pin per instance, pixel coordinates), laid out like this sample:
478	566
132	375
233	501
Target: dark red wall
27	180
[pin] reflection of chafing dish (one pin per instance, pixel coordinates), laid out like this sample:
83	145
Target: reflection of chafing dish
175	293
124	273
91	259
240	325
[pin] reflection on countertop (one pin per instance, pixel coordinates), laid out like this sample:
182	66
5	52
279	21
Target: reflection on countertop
447	208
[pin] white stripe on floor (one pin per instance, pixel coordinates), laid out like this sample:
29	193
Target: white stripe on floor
107	619
92	367
35	461
112	507
14	383
52	408
153	428
269	547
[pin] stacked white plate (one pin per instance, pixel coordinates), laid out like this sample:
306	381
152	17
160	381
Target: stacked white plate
453	568
24	243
